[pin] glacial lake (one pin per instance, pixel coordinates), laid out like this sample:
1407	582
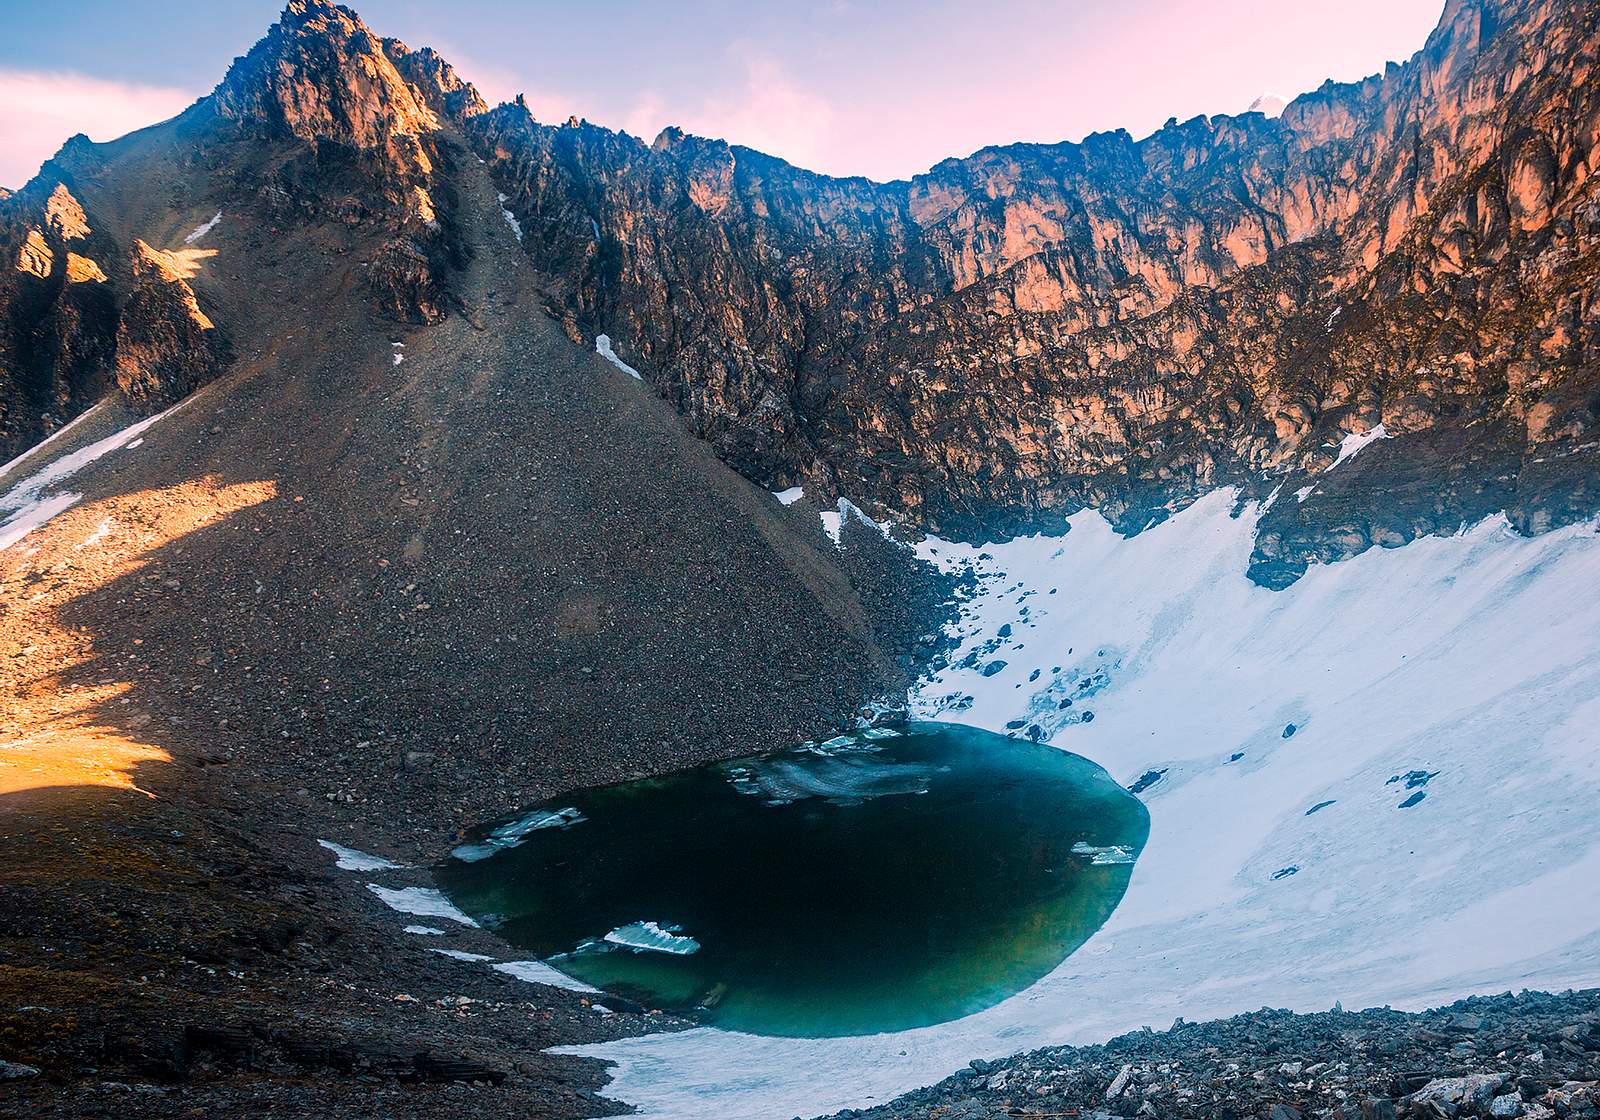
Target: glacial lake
872	883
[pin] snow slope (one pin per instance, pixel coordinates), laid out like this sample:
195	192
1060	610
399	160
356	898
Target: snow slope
1281	868
34	500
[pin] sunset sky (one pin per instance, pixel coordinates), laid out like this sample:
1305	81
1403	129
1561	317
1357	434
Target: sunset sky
883	89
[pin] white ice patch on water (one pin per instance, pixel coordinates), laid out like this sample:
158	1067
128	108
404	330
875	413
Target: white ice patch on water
423	902
602	346
514	833
204	228
1102	856
30	504
1351	445
649	937
1473	658
790	496
843	777
348	859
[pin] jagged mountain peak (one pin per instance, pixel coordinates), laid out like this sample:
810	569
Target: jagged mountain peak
320	74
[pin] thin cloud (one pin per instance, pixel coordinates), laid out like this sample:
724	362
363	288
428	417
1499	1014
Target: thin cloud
40	109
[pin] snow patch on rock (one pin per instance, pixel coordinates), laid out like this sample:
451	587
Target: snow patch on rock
422	902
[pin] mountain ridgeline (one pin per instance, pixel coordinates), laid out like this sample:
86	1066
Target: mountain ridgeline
985	348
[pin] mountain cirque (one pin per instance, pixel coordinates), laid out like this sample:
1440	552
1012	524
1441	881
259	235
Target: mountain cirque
406	556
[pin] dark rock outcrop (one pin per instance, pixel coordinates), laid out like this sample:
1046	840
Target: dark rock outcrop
1123	323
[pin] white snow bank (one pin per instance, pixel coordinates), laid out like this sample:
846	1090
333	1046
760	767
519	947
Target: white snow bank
1474	659
650	937
511	219
790	496
424	902
51	438
537	972
425	931
602	346
201	230
833	520
30	503
33	515
462	955
348	859
1351	445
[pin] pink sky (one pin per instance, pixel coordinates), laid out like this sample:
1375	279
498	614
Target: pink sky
883	89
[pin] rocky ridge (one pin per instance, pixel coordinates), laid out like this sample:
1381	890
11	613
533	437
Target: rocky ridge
1532	1055
1126	324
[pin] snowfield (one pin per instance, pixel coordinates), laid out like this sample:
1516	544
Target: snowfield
1375	787
35	500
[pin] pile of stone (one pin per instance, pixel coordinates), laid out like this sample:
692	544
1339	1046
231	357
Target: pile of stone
1535	1056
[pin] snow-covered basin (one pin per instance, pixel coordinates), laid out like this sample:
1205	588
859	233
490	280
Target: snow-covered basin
1474	659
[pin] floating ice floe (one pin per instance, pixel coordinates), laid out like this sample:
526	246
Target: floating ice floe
843	777
514	833
1109	854
348	859
650	937
423	902
602	346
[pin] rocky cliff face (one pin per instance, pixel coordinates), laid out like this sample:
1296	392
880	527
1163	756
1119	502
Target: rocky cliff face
81	315
1126	323
1119	323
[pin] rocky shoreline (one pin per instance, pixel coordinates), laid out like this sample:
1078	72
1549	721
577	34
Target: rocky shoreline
1534	1055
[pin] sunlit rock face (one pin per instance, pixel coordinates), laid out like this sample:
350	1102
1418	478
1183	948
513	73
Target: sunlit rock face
1124	323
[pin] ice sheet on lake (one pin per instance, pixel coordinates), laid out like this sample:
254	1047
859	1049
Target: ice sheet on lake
1109	854
843	777
1476	656
649	937
423	902
514	833
348	859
